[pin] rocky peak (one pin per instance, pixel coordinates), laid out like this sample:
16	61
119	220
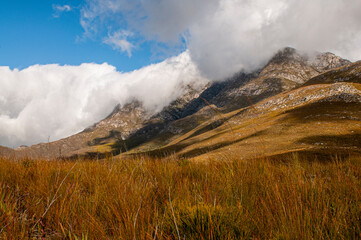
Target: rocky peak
286	70
126	109
298	67
127	119
326	61
290	65
320	61
287	54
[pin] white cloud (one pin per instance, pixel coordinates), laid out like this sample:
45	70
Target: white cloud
224	36
58	101
118	40
65	8
59	9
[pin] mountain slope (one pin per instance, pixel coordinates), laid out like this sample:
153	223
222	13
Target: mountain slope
203	108
314	118
288	69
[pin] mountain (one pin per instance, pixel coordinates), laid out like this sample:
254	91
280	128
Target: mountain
318	118
287	70
278	108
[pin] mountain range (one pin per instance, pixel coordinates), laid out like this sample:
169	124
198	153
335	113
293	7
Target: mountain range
295	103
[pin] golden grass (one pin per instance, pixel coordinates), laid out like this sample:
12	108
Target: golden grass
289	198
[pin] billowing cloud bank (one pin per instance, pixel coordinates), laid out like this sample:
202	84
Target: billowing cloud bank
55	101
224	36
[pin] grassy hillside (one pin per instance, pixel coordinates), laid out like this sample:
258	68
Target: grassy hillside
283	198
323	118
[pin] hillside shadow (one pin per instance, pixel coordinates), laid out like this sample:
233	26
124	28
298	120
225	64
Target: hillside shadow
312	155
347	141
322	112
207	128
175	149
113	134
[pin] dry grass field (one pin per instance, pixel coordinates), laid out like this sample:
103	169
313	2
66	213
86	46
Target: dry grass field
287	197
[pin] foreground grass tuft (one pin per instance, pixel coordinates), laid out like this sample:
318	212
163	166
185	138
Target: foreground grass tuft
169	199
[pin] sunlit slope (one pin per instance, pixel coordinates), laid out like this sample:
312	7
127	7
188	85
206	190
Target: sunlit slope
317	118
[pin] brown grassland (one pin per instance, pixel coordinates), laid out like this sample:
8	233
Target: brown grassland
289	197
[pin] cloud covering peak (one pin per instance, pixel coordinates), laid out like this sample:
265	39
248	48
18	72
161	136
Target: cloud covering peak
224	36
55	101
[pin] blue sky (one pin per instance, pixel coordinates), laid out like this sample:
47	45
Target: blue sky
30	33
222	36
